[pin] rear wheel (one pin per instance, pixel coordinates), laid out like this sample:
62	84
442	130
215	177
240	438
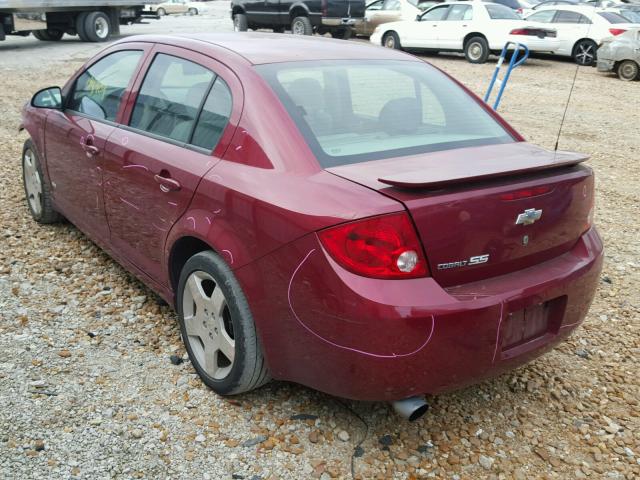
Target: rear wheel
391	40
301	26
192	11
628	70
161	12
341	33
584	52
476	50
217	327
48	35
240	23
97	27
36	189
80	30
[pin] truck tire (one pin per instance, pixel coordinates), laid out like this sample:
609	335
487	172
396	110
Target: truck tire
301	26
48	35
240	22
97	27
80	19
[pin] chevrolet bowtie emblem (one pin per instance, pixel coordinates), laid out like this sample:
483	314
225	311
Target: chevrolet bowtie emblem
528	216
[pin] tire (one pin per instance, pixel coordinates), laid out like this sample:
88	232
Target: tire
628	70
584	52
301	26
341	33
207	278
240	22
48	35
80	30
391	40
37	190
476	50
161	12
192	11
97	27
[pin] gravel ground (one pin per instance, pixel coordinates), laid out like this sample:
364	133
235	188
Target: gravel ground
90	388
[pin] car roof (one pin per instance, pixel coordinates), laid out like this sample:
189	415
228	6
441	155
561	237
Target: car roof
261	47
570	8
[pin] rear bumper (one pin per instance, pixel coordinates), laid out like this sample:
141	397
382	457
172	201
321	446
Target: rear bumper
341	22
536	44
605	65
373	339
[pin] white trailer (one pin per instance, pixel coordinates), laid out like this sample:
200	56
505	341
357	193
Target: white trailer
92	21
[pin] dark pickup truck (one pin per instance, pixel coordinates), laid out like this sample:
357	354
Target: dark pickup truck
303	17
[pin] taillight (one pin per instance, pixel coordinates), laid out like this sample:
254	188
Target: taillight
525	193
519	10
519	31
324	8
386	246
616	31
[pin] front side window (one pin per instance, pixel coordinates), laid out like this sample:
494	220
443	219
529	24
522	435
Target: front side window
170	97
435	14
98	91
545	16
352	112
500	12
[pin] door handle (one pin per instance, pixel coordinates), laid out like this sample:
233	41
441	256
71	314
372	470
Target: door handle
87	145
167	184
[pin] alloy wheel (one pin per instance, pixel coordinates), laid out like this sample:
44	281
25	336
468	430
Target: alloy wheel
208	325
475	51
33	182
585	53
390	42
298	28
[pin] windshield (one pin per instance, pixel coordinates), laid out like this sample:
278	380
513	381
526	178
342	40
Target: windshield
355	111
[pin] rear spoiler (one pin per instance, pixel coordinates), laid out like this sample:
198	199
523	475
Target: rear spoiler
461	169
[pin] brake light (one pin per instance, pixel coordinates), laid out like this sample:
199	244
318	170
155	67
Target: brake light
525	193
519	10
519	31
616	31
386	246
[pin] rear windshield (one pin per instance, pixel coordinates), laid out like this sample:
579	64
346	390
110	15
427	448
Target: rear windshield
613	17
355	111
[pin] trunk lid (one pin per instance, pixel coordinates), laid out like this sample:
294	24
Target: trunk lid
486	211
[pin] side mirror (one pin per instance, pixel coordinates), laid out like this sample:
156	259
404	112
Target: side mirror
48	98
418	17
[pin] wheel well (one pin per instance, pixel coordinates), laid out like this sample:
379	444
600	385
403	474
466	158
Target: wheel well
469	36
297	12
236	10
181	251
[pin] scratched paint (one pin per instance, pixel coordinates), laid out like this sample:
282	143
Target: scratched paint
193	220
230	256
136	166
129	203
362	352
495	351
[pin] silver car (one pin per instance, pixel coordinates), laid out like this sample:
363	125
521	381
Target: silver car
621	54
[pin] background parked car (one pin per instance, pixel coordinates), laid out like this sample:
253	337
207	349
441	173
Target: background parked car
621	54
519	6
630	12
173	7
304	17
385	11
580	29
475	28
547	3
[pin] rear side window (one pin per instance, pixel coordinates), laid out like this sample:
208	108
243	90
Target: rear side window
500	12
459	12
356	111
170	98
214	116
99	90
565	16
545	16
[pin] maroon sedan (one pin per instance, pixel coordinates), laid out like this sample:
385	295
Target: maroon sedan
335	214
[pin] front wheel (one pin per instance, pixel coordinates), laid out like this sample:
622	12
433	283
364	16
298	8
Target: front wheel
628	70
192	11
391	40
301	26
584	52
217	327
161	12
476	50
240	22
36	189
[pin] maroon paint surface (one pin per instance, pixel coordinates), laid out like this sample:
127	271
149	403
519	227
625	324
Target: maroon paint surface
260	197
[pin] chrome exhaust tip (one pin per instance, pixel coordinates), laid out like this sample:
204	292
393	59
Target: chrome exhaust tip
411	408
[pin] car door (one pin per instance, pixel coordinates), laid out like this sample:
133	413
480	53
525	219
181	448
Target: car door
455	26
424	33
173	137
76	136
388	11
571	27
